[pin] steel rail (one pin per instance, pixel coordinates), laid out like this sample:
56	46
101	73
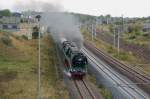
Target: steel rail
94	59
84	90
131	73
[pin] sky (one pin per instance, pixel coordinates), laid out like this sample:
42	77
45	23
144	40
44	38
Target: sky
127	8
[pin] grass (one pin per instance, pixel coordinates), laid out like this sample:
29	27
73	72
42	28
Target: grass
126	57
147	69
139	39
18	70
105	92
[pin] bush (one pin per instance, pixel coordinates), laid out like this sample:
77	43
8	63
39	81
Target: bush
6	40
145	34
17	37
138	33
110	49
132	37
24	37
5	12
122	56
140	44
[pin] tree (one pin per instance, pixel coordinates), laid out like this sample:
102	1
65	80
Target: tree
108	16
5	12
136	27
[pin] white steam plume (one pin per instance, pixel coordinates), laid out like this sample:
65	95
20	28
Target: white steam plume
63	25
34	5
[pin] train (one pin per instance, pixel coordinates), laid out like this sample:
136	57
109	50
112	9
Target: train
75	61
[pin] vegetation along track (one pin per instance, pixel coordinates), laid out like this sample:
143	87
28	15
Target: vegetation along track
84	90
141	79
135	49
131	91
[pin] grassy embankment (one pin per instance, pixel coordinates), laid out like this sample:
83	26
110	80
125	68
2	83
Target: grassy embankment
141	39
19	65
138	38
135	37
126	57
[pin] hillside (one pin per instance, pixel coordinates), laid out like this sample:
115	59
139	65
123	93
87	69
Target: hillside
18	69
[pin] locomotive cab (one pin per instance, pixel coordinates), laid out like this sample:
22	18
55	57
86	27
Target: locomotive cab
75	61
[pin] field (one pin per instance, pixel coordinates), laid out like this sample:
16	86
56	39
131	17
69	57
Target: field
19	65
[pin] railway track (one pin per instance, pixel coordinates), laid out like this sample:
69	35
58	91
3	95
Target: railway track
135	49
84	90
140	79
124	86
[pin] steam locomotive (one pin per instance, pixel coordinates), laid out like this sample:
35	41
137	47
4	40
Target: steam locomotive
75	61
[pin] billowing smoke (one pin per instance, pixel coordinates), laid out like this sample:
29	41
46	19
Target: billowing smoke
63	25
34	5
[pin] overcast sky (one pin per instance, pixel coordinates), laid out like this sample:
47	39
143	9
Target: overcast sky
129	8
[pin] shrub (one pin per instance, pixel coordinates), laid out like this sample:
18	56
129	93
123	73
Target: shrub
145	34
110	49
138	33
132	37
122	56
24	37
6	40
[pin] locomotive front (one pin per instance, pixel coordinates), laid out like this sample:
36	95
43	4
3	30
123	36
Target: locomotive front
79	65
75	61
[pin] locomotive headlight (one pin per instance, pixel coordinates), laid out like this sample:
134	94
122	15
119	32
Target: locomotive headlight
80	59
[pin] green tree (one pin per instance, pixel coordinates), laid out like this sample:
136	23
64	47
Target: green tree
136	27
108	16
5	12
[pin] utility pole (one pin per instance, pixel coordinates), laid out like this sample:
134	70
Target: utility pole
114	36
87	27
95	32
122	24
39	59
39	68
118	40
120	30
92	32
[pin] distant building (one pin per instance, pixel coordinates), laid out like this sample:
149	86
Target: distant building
9	23
9	26
30	16
146	27
16	14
